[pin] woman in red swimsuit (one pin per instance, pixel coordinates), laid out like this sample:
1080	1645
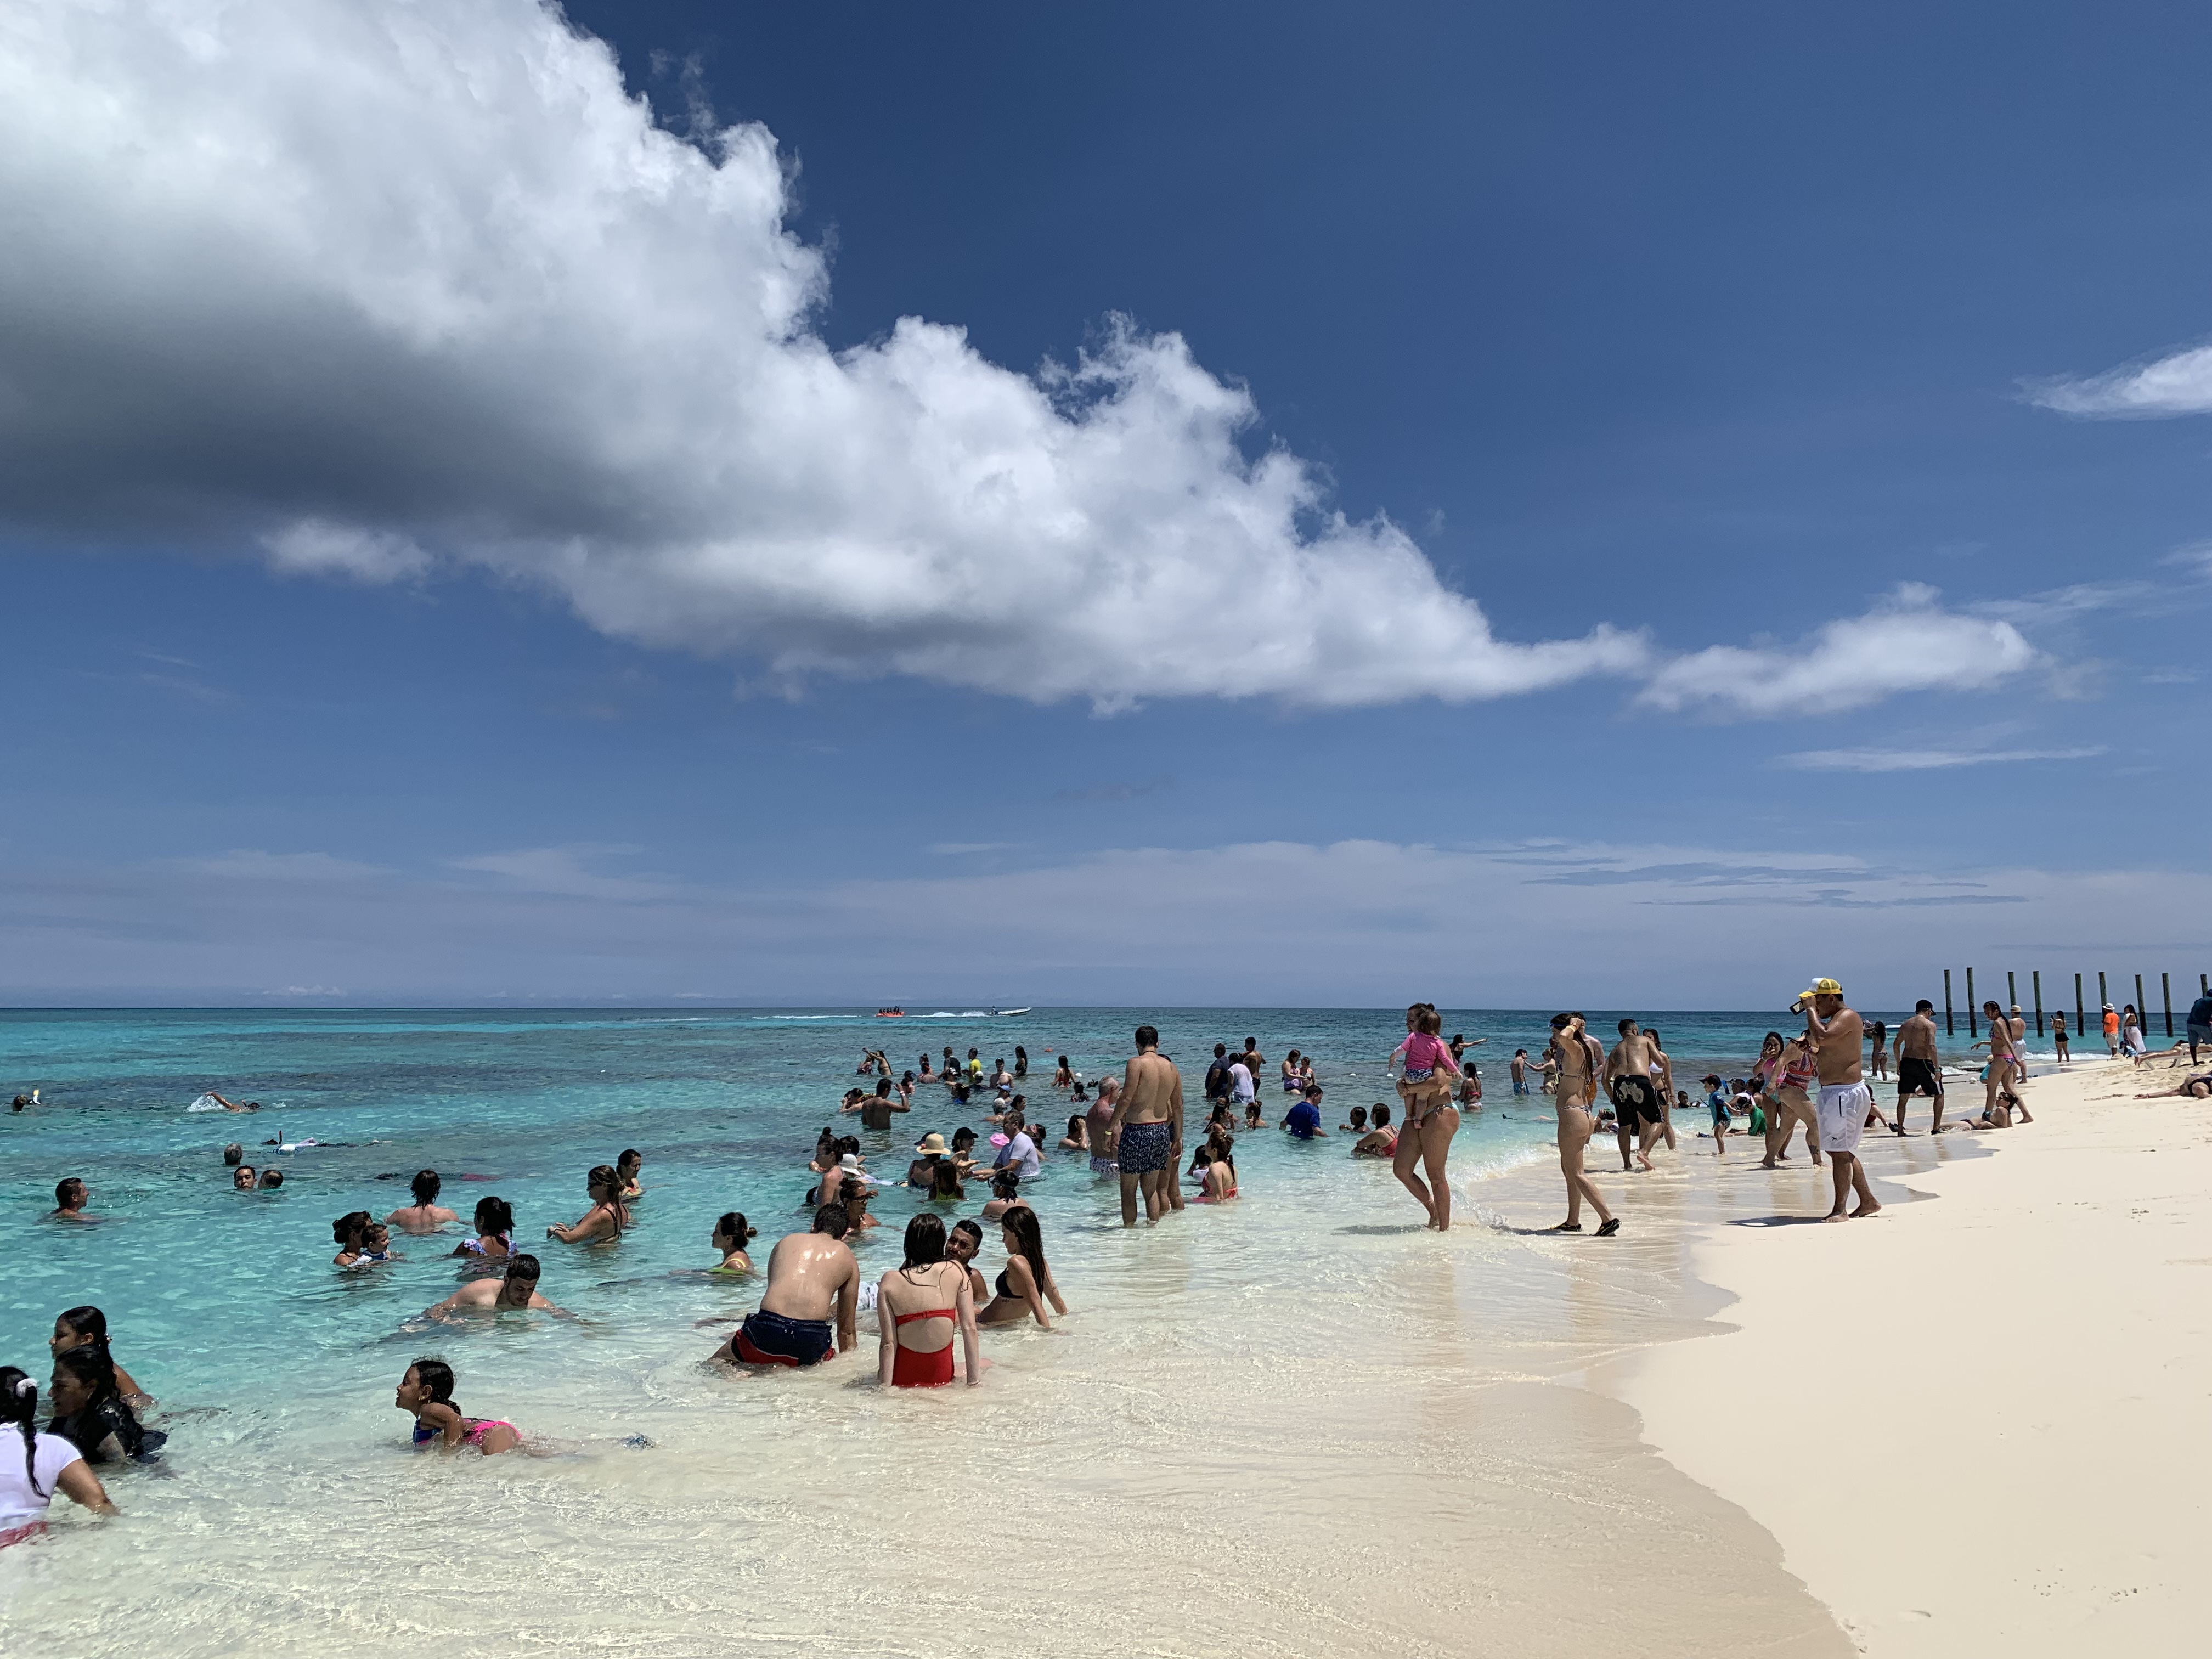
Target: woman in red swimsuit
921	1307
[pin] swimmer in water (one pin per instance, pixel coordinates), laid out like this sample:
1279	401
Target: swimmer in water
494	1239
856	1195
427	1391
362	1240
1252	1115
945	1184
628	1166
729	1238
604	1221
70	1196
86	1327
424	1215
963	1144
512	1294
925	1288
1076	1140
1382	1140
1025	1285
89	1413
231	1106
1005	1195
1218	1174
243	1179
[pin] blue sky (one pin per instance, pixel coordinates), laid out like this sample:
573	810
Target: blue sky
466	541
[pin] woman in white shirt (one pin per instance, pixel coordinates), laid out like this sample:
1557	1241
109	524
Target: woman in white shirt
48	1464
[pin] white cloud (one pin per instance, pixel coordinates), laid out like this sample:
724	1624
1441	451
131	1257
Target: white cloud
1907	643
316	547
379	283
1923	760
2178	384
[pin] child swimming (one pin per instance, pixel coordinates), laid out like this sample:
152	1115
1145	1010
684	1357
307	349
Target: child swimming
427	1391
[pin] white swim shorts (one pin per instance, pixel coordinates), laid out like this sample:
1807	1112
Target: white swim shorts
1842	1115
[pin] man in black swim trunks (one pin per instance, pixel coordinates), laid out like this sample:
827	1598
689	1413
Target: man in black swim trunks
808	1275
1919	1070
1635	1100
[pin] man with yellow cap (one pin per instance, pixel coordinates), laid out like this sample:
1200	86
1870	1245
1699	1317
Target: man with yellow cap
1837	1037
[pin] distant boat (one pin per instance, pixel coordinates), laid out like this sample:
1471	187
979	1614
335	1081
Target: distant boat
1007	1013
891	1013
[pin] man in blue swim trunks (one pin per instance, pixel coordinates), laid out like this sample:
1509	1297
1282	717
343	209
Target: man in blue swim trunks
1303	1121
808	1275
1144	1135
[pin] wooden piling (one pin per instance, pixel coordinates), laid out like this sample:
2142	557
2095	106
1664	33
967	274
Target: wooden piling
1950	1028
2035	979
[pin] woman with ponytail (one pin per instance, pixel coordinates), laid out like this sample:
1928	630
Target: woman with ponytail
731	1234
86	1327
43	1465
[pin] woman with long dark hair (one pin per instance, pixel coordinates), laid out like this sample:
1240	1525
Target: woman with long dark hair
607	1218
494	1239
924	1289
1025	1284
86	1327
48	1463
89	1413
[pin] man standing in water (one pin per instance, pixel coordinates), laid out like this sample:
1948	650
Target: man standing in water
1144	1135
1918	1071
875	1109
808	1275
1578	1058
1839	1037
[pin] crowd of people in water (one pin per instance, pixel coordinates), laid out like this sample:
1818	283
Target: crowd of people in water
1130	1129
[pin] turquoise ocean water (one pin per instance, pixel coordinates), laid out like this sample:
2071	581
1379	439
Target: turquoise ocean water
208	1289
1274	1369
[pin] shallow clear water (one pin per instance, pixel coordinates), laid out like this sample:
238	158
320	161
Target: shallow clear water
1292	1371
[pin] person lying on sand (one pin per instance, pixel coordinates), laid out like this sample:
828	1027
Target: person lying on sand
2198	1087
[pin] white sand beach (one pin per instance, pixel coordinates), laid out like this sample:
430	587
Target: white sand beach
1974	1423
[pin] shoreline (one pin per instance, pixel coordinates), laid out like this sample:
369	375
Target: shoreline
2034	1324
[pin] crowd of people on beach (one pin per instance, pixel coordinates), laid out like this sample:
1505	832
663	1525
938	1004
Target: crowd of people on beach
930	1309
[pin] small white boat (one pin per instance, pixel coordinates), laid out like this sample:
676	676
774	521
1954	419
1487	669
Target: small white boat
1006	1013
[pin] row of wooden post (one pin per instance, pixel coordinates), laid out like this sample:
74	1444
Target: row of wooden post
2081	1013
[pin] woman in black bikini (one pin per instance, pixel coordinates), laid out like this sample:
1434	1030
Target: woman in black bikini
1025	1284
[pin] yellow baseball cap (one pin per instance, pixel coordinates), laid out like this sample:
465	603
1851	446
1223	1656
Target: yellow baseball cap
1824	988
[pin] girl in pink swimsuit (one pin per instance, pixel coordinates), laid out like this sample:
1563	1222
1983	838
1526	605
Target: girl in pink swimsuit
427	1390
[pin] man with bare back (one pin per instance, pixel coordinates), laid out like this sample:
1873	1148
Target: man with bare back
1839	1038
1144	1135
1919	1070
1579	1058
1635	1100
